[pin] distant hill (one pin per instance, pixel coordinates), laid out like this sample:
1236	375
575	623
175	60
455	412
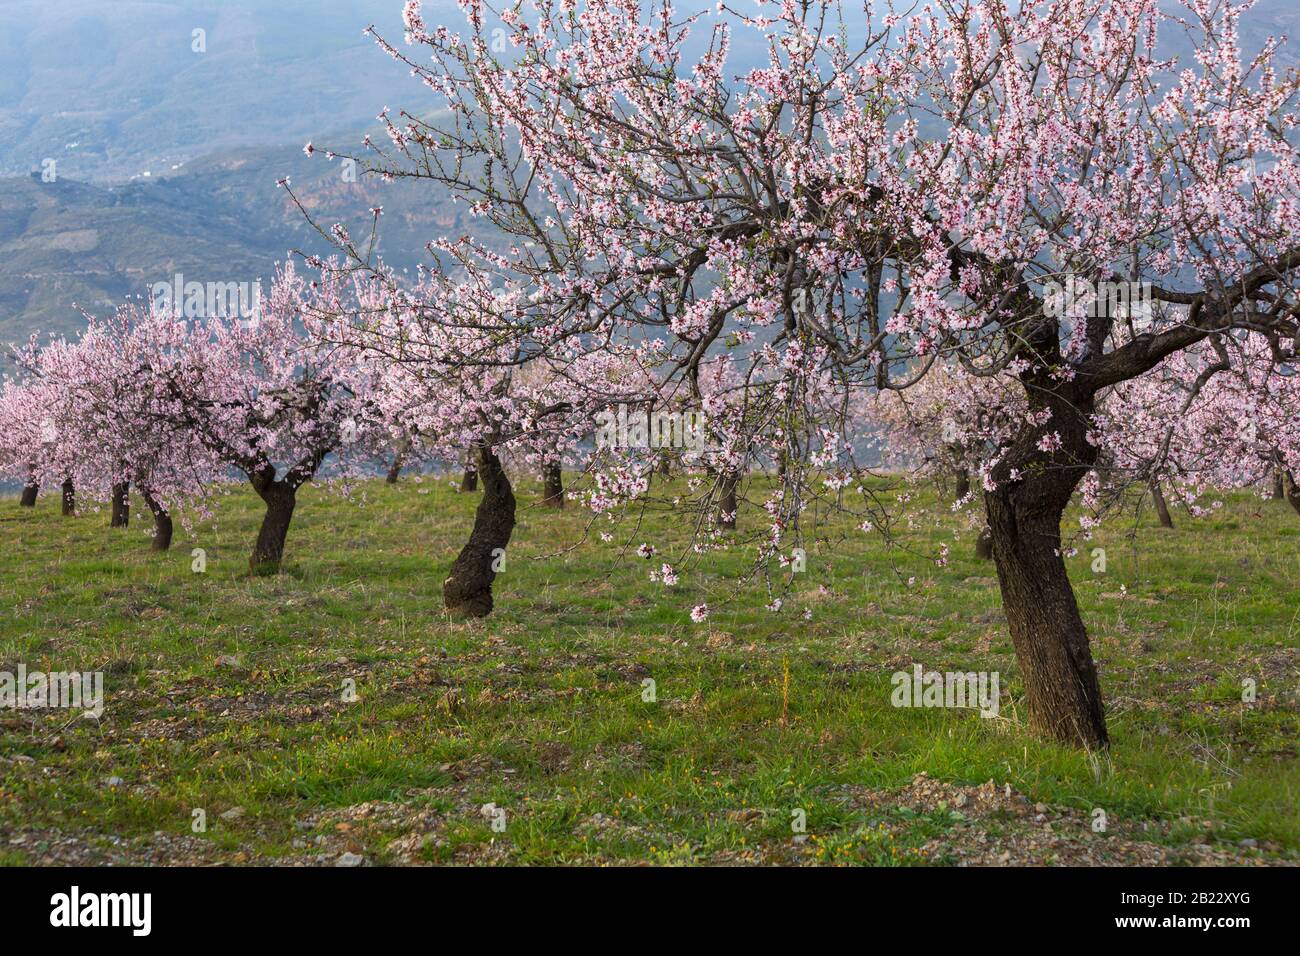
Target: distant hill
223	219
114	88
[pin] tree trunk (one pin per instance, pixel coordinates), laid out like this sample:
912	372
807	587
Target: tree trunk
468	588
1162	508
727	505
470	481
120	515
69	499
394	469
1292	491
552	485
1279	484
280	498
961	487
1061	687
30	490
1062	692
162	521
984	545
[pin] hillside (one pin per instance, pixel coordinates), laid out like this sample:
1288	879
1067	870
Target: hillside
67	244
113	88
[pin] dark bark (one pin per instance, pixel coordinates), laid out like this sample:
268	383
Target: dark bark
280	498
30	490
1292	491
552	486
1062	692
399	458
162	521
1279	485
394	470
468	588
1162	507
961	487
69	498
727	504
984	545
120	513
470	481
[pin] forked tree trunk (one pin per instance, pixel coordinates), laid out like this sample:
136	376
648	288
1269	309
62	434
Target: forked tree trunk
470	480
727	505
1062	692
120	513
69	498
1162	507
162	521
984	545
961	486
30	490
468	588
280	498
552	486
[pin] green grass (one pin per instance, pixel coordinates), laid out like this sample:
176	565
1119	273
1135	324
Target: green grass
539	708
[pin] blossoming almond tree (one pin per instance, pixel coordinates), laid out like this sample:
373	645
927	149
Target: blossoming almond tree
31	446
258	396
882	194
1216	416
101	403
460	387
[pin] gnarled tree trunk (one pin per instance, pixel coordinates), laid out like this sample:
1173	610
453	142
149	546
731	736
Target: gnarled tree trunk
1062	692
120	513
280	498
552	485
69	498
1162	507
468	588
162	521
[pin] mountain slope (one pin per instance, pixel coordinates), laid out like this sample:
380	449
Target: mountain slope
68	244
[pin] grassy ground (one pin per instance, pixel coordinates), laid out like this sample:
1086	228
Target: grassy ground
225	694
